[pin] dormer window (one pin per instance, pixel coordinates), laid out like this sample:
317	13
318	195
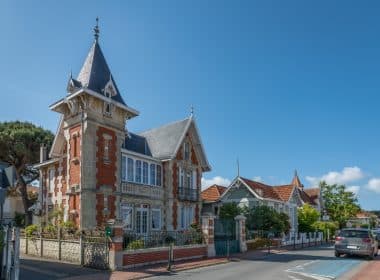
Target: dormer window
109	92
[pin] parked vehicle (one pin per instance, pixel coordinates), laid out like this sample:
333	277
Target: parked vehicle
352	241
376	232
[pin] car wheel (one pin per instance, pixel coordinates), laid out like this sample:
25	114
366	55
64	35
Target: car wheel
337	254
372	255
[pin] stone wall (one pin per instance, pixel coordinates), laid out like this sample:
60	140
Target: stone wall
66	250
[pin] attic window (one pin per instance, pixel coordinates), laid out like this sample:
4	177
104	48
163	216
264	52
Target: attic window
107	108
187	151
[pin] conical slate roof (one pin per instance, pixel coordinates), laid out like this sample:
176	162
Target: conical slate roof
95	73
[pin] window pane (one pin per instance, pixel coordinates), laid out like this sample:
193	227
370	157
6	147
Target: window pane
130	170
145	172
51	180
156	219
152	174
126	216
138	171
158	181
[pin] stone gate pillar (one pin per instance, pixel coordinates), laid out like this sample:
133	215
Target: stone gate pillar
116	248
208	233
240	228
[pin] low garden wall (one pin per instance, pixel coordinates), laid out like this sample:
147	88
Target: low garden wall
65	250
140	257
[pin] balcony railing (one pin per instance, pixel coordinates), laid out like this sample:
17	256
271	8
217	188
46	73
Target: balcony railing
188	194
142	190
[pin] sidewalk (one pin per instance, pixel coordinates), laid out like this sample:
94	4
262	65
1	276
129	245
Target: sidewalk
370	271
150	271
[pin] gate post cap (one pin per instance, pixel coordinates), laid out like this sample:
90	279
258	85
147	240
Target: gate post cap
240	218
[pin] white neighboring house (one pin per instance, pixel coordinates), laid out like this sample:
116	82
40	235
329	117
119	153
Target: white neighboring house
283	198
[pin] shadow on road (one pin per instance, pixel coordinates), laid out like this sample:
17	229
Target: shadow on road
31	269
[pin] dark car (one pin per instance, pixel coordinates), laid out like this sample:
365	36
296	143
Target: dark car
352	241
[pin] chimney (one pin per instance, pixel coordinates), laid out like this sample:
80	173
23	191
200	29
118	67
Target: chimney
43	153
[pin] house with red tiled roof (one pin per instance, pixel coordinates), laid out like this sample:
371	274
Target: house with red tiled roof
210	197
249	193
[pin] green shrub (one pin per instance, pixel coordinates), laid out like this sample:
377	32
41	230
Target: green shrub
136	244
364	225
51	230
258	243
69	226
31	230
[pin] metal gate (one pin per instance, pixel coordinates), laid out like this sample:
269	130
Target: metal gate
96	252
225	239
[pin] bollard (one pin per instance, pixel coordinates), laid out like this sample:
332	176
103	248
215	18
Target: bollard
171	257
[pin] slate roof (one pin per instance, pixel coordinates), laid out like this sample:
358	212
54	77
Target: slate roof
95	73
7	176
163	141
137	144
213	193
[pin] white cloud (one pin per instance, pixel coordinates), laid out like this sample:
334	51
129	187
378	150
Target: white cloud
257	179
217	180
347	175
374	185
353	189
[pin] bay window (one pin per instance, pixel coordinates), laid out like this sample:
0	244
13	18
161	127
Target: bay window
158	179
156	219
152	174
130	170
145	172
138	171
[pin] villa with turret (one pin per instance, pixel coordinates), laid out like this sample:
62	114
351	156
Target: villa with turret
97	171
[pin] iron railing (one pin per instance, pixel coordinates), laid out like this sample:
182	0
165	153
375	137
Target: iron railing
188	194
153	239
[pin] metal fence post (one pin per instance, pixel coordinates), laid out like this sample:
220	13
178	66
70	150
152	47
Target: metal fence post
59	244
16	262
294	241
171	257
5	251
301	240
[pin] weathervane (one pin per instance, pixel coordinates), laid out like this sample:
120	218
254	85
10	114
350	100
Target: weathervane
96	29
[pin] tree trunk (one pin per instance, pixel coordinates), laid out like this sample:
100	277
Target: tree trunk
25	199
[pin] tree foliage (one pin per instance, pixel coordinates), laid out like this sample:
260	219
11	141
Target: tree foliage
325	227
265	219
307	216
20	147
340	204
230	210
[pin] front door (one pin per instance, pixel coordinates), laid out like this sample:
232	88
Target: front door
142	221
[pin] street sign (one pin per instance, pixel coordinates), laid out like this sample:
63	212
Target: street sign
108	231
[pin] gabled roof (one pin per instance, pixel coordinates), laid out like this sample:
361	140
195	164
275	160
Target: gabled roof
296	180
95	73
262	190
164	140
284	192
313	193
213	193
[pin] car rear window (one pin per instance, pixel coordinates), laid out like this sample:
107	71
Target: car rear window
354	233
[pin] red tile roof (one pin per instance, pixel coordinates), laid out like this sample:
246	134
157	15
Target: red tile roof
262	190
213	193
284	191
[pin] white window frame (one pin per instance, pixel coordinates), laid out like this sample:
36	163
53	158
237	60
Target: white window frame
138	171
145	179
157	210
128	208
152	174
130	168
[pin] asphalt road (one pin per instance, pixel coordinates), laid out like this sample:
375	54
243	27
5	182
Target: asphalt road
308	264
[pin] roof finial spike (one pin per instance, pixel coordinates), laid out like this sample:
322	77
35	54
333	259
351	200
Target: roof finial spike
71	74
96	30
191	111
295	173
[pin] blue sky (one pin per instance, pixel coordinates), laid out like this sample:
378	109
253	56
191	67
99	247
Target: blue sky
281	85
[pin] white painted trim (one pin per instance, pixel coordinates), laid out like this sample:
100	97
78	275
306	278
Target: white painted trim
95	94
128	152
